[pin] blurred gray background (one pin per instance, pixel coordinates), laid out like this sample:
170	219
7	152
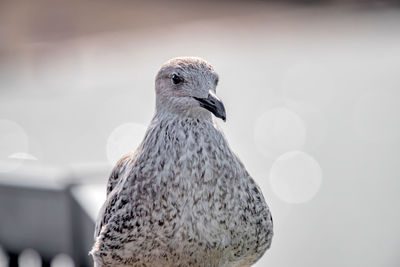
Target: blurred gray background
311	90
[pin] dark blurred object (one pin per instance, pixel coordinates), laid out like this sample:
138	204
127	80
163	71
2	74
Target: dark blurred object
38	211
27	22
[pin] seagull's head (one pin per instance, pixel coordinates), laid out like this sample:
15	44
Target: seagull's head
187	86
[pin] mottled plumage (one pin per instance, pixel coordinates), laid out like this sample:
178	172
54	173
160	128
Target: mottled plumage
183	198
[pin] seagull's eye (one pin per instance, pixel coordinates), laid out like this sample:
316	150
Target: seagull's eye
176	79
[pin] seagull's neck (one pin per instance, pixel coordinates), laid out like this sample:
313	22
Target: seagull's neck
178	129
168	116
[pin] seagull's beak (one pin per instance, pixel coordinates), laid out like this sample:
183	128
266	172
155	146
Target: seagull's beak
213	104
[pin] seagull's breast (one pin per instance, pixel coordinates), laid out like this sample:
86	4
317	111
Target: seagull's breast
188	200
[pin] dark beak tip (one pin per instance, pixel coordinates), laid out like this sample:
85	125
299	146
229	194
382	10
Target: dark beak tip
214	105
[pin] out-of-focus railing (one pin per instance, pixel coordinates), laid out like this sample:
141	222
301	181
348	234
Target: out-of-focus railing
45	219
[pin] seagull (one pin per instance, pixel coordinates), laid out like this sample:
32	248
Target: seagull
183	198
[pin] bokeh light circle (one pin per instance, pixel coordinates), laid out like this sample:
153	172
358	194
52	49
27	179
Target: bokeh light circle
314	120
376	117
4	260
62	260
13	139
279	130
29	258
295	177
124	139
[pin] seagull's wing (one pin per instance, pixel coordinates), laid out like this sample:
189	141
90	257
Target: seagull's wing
255	209
117	171
115	177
